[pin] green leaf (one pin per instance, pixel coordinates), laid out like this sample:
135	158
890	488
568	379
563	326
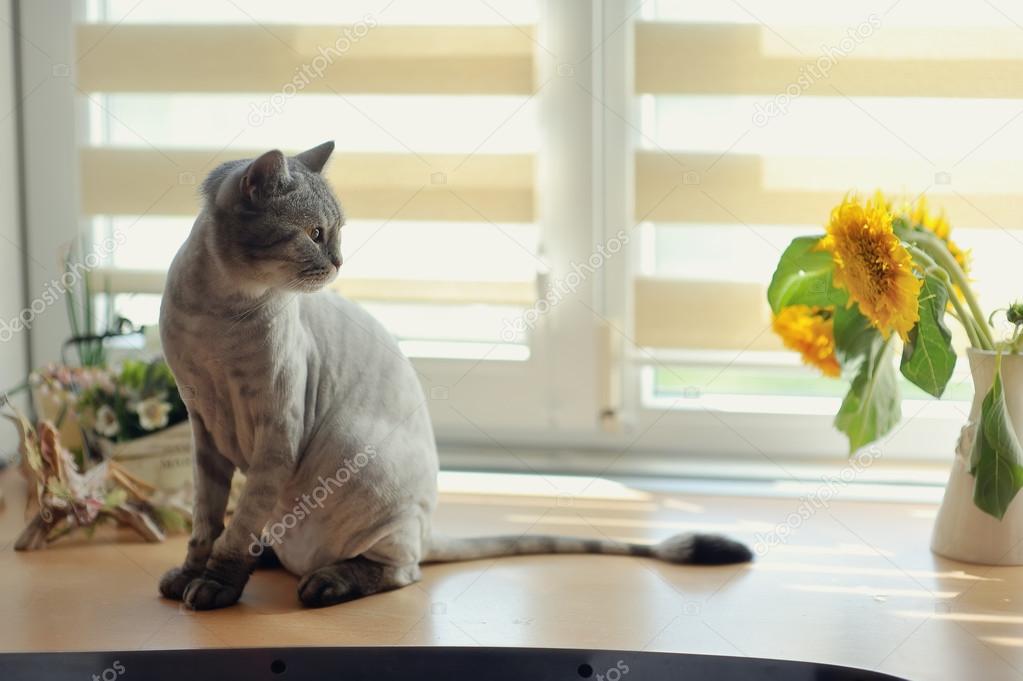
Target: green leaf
149	376
171	520
115	498
928	358
133	374
871	407
803	277
997	456
855	337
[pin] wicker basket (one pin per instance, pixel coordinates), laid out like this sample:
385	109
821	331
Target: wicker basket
163	459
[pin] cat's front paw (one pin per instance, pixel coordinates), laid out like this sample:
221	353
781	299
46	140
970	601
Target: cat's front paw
204	593
175	581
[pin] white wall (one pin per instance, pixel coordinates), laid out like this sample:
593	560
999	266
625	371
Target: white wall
51	160
13	346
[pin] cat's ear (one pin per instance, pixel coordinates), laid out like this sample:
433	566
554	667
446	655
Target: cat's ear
314	159
265	176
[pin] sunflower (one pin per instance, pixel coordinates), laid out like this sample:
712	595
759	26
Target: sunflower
921	218
811	332
873	265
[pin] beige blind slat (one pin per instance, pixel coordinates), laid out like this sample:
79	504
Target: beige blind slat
703	315
721	59
382	290
743	189
478	188
354	59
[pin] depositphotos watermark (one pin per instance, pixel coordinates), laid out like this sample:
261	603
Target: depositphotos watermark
112	672
614	673
815	501
564	286
815	71
307	73
54	291
304	505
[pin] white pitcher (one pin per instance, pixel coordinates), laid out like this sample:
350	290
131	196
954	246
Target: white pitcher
962	531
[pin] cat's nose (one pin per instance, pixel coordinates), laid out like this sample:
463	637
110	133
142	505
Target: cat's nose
336	259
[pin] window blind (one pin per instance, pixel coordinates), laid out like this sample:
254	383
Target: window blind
165	102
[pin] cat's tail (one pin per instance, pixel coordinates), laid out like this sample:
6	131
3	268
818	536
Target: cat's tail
688	548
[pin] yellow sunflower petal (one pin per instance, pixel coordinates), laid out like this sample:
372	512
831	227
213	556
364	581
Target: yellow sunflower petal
921	217
810	331
873	265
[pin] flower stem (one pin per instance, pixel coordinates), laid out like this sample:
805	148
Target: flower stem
940	253
967	320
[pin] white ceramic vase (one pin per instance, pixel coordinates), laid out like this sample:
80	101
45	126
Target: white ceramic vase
962	531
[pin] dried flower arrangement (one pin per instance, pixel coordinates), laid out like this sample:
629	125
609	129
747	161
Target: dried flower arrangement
67	495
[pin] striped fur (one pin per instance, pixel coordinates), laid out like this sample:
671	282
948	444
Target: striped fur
690	548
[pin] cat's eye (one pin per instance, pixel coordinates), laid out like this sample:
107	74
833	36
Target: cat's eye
315	234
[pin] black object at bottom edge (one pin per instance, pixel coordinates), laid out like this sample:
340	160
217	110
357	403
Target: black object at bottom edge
394	663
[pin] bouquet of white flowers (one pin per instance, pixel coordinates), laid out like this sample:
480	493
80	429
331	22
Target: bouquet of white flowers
136	401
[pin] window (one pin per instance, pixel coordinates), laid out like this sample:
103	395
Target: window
568	212
435	133
750	121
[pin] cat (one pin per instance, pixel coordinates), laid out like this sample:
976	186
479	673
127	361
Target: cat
299	387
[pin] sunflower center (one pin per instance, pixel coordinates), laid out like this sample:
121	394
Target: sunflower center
873	260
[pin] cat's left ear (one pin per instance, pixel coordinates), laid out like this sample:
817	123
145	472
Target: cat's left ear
265	176
314	159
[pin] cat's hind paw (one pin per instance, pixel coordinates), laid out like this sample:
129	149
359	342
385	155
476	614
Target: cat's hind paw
326	586
204	593
351	579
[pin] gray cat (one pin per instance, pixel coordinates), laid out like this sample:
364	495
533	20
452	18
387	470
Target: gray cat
311	398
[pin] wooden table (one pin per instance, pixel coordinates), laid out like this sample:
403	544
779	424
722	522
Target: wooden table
851	584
